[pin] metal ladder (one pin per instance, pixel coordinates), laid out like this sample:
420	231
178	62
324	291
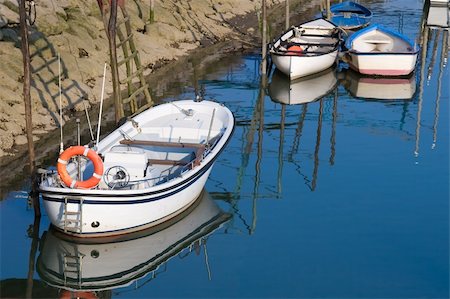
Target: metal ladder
73	220
72	265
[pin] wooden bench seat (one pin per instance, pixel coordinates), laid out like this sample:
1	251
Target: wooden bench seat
162	143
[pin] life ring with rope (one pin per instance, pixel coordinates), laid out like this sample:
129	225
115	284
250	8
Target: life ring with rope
80	151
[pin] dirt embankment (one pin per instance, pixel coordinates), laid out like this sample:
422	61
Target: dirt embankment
74	30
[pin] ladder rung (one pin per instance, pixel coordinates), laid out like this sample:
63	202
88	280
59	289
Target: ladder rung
134	94
127	59
72	213
125	40
70	271
133	75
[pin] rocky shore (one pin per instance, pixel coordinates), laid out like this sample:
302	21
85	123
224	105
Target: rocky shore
74	30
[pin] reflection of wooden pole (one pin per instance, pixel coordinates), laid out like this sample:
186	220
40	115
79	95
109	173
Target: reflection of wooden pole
316	150
260	109
280	149
421	82
333	128
287	15
264	39
439	86
434	53
32	256
298	132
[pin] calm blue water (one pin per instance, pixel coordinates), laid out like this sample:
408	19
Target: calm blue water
343	197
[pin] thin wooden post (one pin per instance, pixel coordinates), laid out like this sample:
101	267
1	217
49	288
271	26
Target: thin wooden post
264	39
27	99
287	15
328	10
113	56
26	83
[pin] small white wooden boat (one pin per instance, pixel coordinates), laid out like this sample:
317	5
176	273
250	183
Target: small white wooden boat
376	50
85	267
145	172
302	90
306	49
379	88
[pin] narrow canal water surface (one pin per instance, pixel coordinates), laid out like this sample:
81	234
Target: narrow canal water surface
334	186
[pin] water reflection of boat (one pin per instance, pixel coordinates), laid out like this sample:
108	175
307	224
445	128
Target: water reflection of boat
66	264
303	90
439	14
383	88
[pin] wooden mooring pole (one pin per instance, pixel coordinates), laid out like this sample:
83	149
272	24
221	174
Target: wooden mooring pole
287	15
113	56
264	39
27	100
328	10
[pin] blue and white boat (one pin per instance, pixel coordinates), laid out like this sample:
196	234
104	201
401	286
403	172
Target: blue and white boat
349	15
380	51
145	172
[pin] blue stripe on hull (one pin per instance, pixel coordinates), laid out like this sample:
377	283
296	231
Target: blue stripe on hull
138	201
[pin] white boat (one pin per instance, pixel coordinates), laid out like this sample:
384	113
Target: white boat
306	49
376	50
145	172
379	88
302	90
78	267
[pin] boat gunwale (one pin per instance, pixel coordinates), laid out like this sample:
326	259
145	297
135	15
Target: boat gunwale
187	176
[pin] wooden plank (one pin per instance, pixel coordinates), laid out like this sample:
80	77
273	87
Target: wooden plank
163	143
167	162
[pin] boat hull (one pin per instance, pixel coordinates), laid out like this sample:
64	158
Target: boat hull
159	163
383	64
102	215
301	66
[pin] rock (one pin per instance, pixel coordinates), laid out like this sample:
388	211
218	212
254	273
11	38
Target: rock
9	12
82	53
14	128
6	140
3	20
20	140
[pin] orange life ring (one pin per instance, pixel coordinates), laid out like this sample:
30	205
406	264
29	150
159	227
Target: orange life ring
295	50
64	294
78	151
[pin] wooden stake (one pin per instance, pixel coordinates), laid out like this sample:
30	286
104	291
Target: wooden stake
27	99
287	15
328	10
26	83
264	39
113	57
